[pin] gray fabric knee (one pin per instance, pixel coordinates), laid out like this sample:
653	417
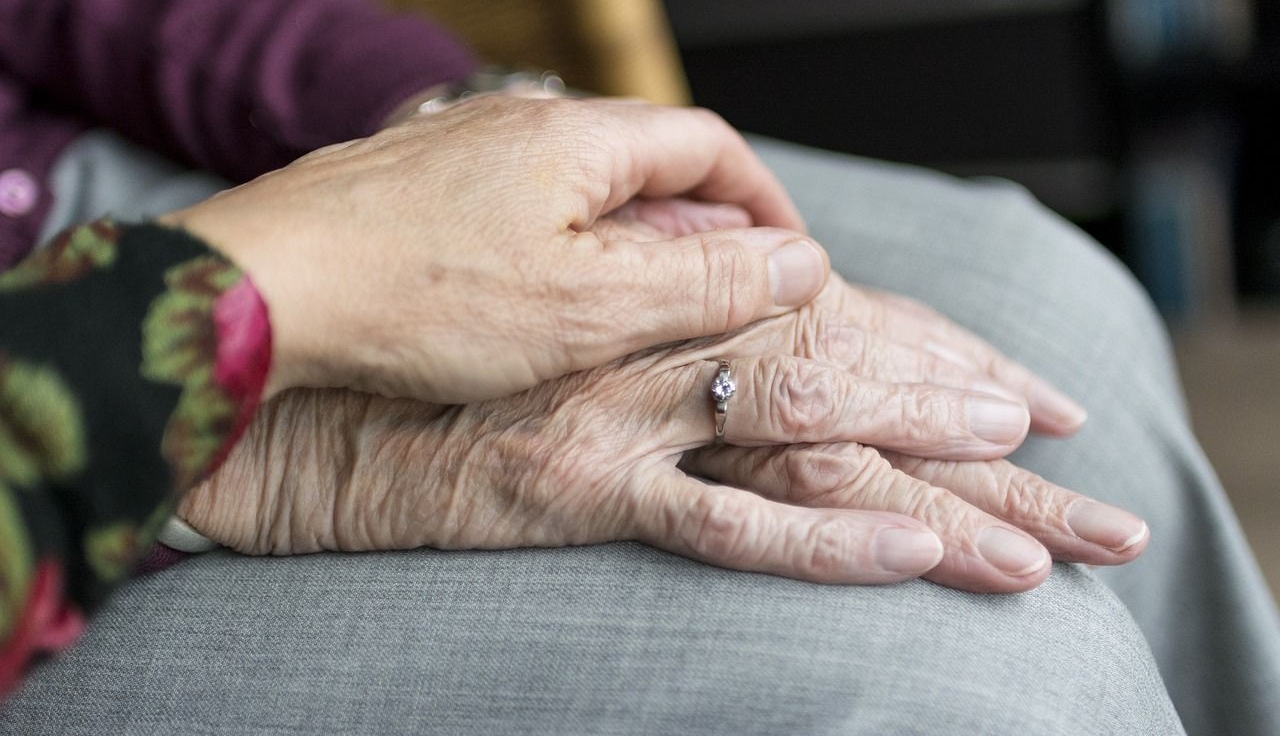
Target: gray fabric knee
615	638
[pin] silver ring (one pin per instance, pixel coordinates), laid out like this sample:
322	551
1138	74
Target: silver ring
722	389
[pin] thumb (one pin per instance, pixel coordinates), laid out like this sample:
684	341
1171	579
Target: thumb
712	282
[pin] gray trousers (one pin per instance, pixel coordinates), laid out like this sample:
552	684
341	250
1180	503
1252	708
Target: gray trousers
621	638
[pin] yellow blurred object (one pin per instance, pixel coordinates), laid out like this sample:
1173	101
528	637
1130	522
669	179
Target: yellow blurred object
610	47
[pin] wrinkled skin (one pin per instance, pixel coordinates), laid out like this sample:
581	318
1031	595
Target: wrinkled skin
450	258
612	453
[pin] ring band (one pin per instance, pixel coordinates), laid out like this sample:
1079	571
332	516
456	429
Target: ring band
722	389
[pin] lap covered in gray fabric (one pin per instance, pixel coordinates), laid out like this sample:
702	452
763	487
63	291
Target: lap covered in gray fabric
992	258
614	639
623	639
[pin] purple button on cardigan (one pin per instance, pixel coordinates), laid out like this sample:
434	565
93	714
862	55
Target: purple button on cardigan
18	192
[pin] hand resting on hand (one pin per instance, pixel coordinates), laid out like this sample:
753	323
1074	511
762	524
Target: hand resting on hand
852	459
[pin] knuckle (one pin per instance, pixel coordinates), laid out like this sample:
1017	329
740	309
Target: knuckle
586	153
1026	496
719	527
830	476
843	345
882	488
927	416
731	291
826	547
814	476
930	504
803	397
939	509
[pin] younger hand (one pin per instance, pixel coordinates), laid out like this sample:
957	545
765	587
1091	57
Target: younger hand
450	258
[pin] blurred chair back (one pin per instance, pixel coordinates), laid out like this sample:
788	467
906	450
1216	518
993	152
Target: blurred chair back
610	47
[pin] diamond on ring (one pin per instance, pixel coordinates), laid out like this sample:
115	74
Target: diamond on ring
722	389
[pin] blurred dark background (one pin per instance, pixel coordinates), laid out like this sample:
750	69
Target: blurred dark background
1150	123
1153	124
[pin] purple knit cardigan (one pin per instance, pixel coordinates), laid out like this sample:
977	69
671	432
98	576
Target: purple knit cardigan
239	87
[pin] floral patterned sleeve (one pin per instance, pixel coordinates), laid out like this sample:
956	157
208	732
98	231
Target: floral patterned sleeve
131	359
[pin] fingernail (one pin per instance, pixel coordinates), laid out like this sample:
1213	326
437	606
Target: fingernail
904	550
1045	400
1108	526
1013	554
996	420
796	272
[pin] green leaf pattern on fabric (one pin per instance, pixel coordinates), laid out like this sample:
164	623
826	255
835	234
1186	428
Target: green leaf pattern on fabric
68	257
16	561
180	347
72	522
41	437
111	549
41	429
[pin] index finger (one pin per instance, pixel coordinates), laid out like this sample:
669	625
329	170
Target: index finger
739	530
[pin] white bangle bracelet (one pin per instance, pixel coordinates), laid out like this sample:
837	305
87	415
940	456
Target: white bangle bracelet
496	80
179	535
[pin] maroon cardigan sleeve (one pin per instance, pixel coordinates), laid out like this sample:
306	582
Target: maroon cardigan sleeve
30	141
240	87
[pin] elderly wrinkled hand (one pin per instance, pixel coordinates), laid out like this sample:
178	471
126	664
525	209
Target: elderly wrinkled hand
593	457
873	334
616	453
450	258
